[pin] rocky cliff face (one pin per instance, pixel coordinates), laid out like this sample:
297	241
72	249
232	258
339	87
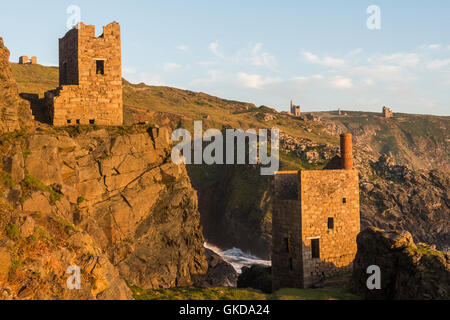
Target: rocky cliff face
395	197
233	202
408	271
14	111
109	202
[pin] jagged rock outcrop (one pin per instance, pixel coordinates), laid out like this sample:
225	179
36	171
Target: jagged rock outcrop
220	273
396	197
310	151
14	111
408	271
109	202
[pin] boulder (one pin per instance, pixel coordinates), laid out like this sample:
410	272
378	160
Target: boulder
14	165
220	273
408	271
27	228
38	202
256	277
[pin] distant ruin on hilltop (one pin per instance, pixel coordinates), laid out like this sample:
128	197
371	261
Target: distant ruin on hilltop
387	113
295	110
90	80
26	60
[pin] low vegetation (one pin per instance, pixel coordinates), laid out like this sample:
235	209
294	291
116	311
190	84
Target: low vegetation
30	184
239	294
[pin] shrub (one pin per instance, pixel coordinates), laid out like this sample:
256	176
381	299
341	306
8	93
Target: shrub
12	231
256	277
6	180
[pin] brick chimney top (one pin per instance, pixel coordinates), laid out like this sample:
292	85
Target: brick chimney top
346	151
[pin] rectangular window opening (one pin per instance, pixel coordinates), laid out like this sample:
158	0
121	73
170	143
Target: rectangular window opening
91	121
100	67
69	121
330	223
344	200
291	264
78	121
315	248
287	244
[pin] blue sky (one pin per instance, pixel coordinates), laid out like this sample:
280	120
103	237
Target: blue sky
318	53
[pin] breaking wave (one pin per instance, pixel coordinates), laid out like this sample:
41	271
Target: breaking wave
237	258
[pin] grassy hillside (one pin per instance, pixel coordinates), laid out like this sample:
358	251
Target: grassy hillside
143	103
421	140
418	140
35	78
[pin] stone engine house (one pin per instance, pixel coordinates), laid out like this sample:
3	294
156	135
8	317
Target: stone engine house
295	110
316	219
90	78
387	112
26	60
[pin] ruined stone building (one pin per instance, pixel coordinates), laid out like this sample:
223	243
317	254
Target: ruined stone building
90	78
295	110
387	113
315	221
25	60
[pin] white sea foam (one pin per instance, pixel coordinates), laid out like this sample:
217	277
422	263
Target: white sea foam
237	258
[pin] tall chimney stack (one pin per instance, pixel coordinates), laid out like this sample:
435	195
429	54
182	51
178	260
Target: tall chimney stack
346	151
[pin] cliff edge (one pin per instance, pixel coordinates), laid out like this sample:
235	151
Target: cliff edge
14	111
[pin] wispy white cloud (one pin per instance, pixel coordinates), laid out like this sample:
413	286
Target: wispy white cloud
255	81
206	63
401	59
262	59
438	64
355	52
170	66
434	46
252	55
340	82
214	47
357	78
326	61
182	47
213	76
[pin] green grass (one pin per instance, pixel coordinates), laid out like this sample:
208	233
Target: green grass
6	180
12	231
43	234
35	78
30	184
314	294
239	294
197	294
427	251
